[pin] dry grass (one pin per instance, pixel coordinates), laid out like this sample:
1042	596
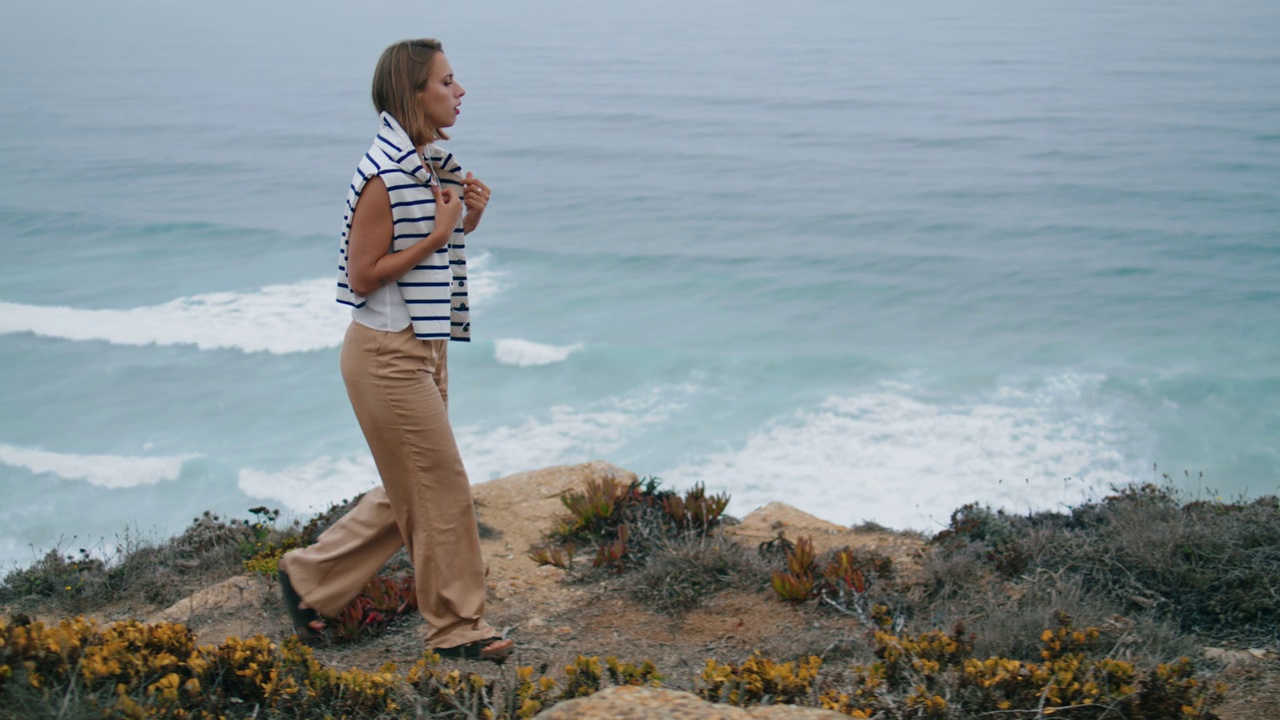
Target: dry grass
138	571
682	573
1196	570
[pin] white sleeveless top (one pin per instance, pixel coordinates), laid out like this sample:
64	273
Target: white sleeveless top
383	309
433	295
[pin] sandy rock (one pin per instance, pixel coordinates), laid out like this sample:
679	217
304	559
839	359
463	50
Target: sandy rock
537	490
637	703
1229	656
227	597
520	508
766	522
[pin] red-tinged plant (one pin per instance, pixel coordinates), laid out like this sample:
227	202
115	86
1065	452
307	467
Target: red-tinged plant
597	503
842	572
673	506
350	622
561	557
792	588
842	583
632	519
800	558
706	511
391	597
380	602
612	553
695	511
796	583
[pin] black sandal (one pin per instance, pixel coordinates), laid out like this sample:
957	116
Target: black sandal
480	650
303	619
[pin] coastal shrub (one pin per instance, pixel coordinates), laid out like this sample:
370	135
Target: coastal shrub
1205	567
841	579
1211	566
80	669
623	673
138	570
211	536
378	604
582	677
936	675
626	523
666	541
209	550
55	576
262	546
941	665
440	693
135	670
759	680
681	574
318	523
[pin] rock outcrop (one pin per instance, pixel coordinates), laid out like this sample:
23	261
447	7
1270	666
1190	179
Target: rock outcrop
639	703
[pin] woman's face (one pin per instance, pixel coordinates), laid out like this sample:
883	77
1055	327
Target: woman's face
442	97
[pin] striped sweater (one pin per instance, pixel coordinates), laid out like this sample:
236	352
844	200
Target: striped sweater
435	291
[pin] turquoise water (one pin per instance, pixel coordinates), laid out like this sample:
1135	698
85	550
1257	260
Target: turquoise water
873	261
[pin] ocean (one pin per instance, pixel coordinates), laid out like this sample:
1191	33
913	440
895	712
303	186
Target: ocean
873	260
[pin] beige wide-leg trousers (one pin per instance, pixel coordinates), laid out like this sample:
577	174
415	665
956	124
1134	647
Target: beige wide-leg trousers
398	387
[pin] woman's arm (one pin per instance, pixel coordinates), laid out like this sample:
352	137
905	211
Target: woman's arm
370	262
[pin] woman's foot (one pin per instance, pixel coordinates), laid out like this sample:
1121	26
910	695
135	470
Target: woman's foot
307	623
494	649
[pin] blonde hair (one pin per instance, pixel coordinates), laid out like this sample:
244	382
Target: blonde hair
403	72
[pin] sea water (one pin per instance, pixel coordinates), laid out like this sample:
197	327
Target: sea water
876	260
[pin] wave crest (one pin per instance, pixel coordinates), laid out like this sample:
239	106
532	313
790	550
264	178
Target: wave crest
279	319
107	471
523	353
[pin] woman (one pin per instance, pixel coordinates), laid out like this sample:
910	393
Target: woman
403	271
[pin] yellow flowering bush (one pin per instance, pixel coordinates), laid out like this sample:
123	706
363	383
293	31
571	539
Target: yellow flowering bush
760	680
935	676
645	673
138	671
131	669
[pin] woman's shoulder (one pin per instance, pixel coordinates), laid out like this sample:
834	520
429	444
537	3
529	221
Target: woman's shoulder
376	161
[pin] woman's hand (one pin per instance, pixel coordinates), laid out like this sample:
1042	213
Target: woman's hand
448	209
476	197
370	264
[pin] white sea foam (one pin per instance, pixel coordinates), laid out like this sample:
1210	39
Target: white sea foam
296	317
108	471
523	353
564	435
891	455
277	319
311	486
905	462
